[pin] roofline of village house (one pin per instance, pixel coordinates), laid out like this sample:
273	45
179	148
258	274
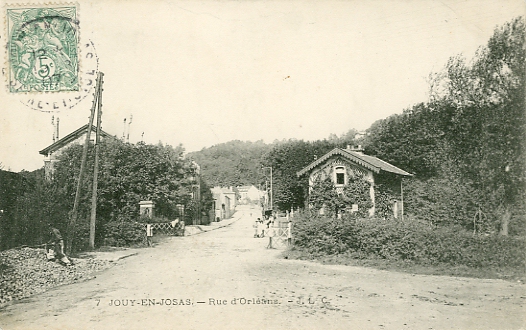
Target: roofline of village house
70	137
353	157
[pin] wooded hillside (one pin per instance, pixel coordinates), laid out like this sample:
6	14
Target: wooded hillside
233	163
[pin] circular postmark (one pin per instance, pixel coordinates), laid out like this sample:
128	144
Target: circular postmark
55	102
49	69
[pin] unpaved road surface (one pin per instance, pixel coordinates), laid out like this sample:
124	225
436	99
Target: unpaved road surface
215	280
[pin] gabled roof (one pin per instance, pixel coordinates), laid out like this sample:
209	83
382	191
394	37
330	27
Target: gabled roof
372	163
245	188
69	138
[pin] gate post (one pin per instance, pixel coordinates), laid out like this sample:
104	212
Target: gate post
146	208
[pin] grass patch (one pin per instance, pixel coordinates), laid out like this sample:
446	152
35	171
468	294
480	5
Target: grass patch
504	273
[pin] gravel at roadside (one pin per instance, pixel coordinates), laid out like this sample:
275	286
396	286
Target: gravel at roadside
26	271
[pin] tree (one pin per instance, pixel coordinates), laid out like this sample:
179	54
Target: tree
470	136
286	159
127	174
488	127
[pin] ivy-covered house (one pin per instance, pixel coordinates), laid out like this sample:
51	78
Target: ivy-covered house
346	180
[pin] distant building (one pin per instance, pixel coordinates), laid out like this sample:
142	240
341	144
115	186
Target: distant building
196	192
224	202
360	135
52	151
249	194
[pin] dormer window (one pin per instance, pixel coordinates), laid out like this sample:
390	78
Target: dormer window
339	173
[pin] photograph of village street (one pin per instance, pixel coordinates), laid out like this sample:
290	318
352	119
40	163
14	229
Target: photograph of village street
221	164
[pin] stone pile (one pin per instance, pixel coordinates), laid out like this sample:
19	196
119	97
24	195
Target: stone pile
26	271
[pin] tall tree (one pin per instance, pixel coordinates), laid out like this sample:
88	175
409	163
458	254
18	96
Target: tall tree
488	128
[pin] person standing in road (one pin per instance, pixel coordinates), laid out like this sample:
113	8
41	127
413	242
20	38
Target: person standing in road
289	232
261	229
270	233
256	228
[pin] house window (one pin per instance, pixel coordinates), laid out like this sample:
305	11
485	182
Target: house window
340	175
340	178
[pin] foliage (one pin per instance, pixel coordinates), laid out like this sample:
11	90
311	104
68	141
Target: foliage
124	233
442	202
325	195
411	241
286	159
29	205
127	174
357	191
412	140
234	163
383	202
466	144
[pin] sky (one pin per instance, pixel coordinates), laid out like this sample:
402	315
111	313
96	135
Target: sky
200	73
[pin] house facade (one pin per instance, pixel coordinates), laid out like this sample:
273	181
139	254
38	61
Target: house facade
224	202
343	165
249	194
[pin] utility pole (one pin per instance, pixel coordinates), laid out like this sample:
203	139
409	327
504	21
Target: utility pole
271	192
96	167
271	200
74	213
402	198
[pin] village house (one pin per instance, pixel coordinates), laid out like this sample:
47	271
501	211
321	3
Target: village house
52	151
249	194
224	202
342	164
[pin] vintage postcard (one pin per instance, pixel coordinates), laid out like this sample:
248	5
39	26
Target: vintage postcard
299	164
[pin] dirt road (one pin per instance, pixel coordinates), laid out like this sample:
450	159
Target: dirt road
226	279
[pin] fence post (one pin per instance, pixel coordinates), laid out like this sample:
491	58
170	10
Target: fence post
149	234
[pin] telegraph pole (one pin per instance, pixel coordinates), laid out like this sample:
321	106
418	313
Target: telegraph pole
271	200
96	166
74	213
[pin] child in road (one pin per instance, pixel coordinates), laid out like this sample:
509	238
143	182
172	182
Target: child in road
270	233
256	228
261	229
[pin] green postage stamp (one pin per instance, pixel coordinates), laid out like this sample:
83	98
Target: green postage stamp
43	49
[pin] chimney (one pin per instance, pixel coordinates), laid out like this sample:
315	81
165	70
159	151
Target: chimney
358	149
124	131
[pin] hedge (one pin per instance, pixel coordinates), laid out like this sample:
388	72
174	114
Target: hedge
411	241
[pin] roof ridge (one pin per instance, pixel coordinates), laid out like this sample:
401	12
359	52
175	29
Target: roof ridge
69	137
361	159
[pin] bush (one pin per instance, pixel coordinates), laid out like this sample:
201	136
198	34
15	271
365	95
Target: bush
411	241
124	234
81	237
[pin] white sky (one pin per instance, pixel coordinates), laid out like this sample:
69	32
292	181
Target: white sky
201	73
